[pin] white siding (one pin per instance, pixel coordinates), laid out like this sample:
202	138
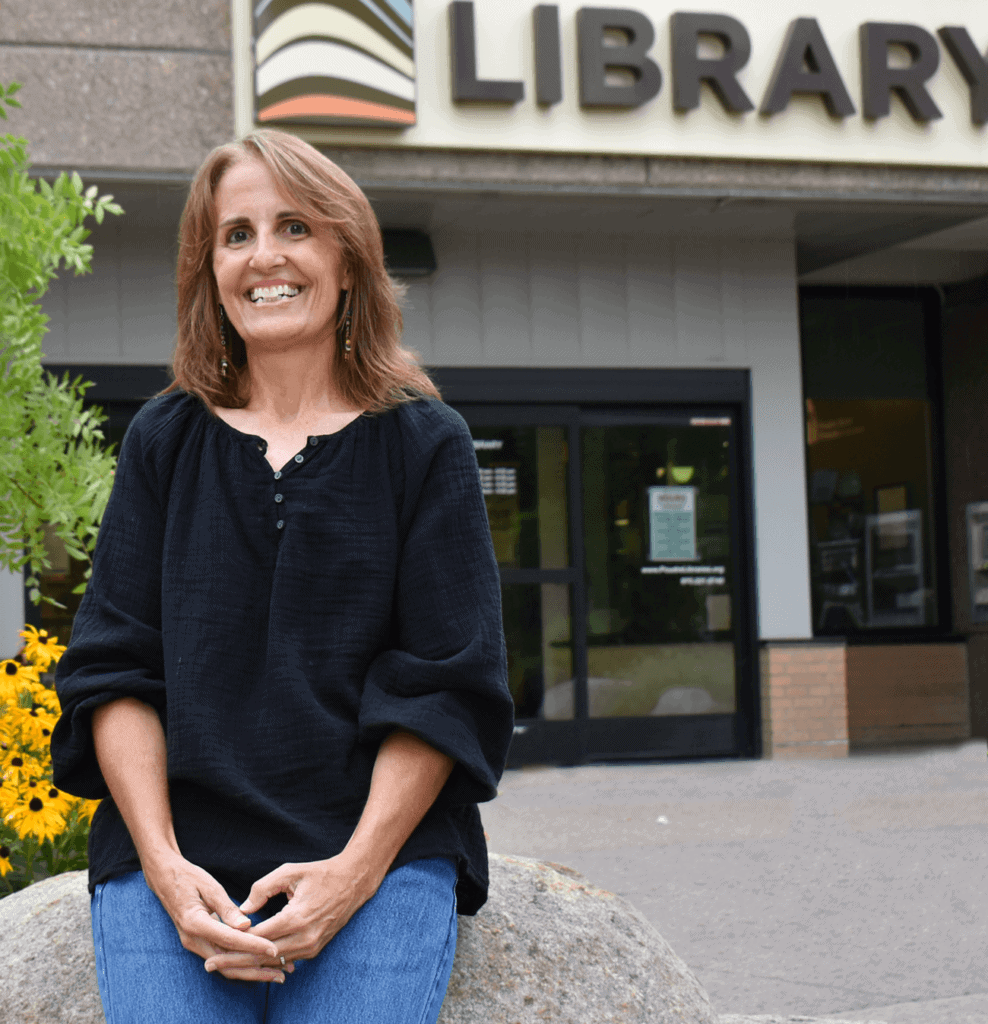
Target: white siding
546	299
124	311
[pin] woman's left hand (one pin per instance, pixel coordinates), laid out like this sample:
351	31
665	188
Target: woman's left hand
322	896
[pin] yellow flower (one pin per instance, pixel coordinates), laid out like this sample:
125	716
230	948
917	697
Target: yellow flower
15	677
18	766
5	864
48	698
28	729
36	726
9	795
86	809
40	647
60	801
37	816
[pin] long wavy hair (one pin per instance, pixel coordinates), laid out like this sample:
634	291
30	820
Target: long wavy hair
379	373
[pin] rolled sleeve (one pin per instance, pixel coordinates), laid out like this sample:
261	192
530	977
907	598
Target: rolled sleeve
446	678
116	645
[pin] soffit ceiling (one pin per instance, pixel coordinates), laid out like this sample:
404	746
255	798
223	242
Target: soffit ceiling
837	242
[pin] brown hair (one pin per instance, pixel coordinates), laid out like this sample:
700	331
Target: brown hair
379	373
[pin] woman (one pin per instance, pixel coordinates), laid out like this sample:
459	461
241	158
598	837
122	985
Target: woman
287	677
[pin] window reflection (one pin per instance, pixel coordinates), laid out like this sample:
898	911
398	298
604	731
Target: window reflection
523	476
540	651
870	497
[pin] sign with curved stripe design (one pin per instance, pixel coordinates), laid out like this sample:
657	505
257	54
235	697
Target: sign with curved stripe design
348	63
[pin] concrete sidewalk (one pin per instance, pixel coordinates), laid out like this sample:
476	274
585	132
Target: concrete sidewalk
854	888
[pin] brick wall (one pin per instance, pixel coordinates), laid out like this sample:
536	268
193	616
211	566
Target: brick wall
804	700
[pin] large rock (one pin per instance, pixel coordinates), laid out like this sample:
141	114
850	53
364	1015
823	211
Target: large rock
46	948
548	947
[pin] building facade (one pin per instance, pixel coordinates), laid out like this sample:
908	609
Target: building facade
709	288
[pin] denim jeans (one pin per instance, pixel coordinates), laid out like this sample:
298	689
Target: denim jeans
390	964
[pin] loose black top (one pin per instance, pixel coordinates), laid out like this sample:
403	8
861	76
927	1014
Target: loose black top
282	624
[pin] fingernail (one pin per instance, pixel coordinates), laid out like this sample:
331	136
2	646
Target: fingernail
242	919
280	978
210	968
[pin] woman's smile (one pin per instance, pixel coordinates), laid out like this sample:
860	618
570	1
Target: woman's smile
270	293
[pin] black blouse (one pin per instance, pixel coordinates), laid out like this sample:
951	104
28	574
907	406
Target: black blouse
282	624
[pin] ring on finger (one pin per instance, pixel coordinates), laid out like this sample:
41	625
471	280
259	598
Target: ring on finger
282	959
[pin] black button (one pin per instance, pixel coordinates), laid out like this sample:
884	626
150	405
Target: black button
279	498
313	441
280	524
298	458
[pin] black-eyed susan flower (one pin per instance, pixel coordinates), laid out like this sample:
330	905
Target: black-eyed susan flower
36	815
17	766
60	801
5	864
41	648
15	677
36	726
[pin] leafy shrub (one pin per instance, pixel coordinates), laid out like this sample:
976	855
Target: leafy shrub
54	471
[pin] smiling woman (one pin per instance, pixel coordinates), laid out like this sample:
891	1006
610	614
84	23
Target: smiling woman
287	677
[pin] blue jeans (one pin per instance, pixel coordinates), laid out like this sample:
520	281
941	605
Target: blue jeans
390	964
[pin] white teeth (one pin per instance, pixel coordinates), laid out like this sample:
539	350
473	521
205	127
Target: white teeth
276	292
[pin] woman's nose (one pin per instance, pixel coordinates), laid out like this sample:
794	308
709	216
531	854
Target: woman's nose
267	252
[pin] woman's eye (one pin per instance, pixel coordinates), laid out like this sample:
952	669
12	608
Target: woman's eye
237	236
296	227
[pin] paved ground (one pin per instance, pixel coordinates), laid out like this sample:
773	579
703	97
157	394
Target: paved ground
855	888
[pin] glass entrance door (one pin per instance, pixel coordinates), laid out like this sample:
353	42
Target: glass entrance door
659	568
617	536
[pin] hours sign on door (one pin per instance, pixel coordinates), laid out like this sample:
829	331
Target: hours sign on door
672	524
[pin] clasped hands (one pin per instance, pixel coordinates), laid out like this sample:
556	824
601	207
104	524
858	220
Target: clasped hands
322	896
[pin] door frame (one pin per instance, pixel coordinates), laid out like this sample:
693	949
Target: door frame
627	739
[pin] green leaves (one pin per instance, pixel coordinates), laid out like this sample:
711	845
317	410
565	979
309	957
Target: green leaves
6	97
54	469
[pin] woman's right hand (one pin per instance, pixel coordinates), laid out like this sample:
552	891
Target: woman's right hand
208	921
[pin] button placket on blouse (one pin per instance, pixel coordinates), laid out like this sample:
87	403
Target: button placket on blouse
279	498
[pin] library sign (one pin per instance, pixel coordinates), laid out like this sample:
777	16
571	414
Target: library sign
611	40
874	81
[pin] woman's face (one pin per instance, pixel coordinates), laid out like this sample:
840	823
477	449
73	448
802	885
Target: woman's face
279	275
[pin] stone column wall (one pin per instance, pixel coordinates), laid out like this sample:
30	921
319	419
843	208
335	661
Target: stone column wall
142	86
804	700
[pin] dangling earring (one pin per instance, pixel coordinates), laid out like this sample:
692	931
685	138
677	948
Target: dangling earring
224	338
345	329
